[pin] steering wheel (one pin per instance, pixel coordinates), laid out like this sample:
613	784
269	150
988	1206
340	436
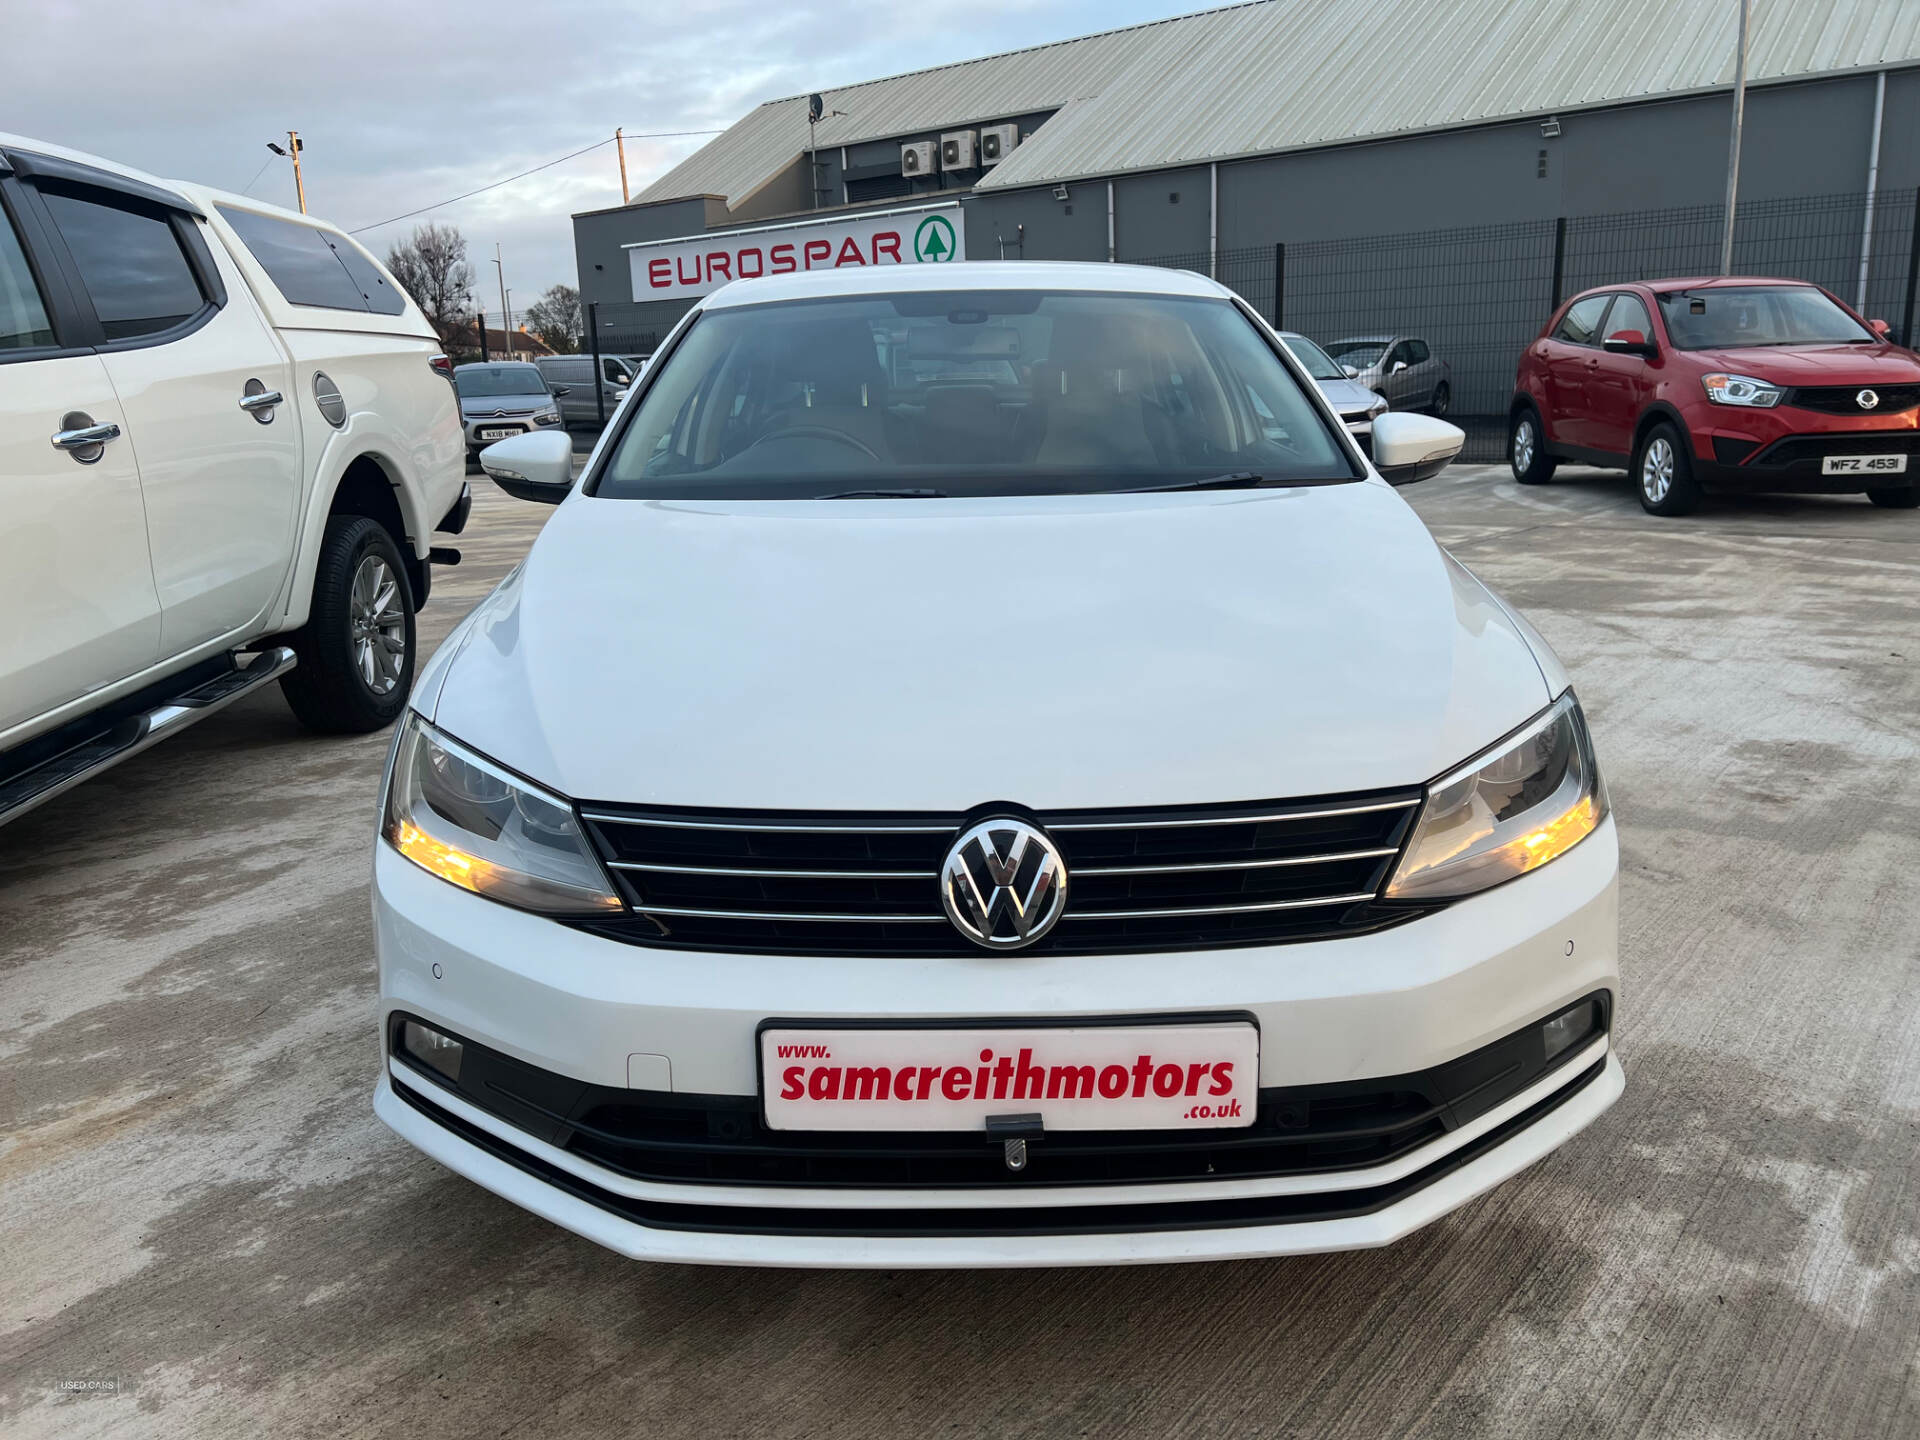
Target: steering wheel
817	432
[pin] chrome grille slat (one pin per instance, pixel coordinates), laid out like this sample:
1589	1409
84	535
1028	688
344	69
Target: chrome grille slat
785	882
849	827
770	874
786	915
1150	914
1236	864
1182	822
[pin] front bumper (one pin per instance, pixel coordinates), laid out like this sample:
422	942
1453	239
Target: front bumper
1350	1009
1772	456
511	424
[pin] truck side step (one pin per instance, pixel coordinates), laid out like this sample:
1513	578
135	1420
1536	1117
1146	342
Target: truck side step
100	742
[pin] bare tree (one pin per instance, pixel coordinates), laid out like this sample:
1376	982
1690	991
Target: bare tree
432	267
555	318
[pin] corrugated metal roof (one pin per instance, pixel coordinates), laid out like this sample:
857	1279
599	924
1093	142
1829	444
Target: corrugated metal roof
1287	74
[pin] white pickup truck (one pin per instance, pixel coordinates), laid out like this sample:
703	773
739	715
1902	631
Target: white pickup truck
227	438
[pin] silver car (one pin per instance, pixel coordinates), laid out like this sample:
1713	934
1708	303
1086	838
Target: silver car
502	399
1403	368
1353	402
571	378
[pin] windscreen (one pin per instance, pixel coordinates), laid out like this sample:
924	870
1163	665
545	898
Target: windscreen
476	380
968	393
1313	359
1735	316
1358	353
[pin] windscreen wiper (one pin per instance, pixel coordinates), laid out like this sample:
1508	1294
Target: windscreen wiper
902	494
1232	480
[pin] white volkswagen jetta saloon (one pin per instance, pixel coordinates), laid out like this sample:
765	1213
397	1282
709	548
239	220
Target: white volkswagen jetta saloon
981	771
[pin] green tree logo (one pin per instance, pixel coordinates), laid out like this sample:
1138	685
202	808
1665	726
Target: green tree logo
933	241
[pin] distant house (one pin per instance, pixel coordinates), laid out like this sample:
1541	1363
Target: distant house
525	345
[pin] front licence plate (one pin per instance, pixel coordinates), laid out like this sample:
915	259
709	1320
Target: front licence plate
1173	1076
1864	465
499	432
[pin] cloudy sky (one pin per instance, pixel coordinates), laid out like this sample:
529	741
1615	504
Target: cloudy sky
405	103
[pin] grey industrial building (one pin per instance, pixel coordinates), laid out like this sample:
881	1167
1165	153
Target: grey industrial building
1289	122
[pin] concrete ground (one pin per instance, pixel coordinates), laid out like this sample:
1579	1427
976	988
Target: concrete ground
199	1205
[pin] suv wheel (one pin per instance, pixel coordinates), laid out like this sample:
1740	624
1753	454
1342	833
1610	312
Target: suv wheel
1527	450
1442	397
1905	498
1663	471
356	650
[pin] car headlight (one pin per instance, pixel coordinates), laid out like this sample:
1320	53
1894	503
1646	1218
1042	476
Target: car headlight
1379	407
1533	796
458	815
1742	390
549	416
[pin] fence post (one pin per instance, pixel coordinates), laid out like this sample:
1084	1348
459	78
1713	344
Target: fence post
1280	283
599	388
1559	261
1913	272
480	324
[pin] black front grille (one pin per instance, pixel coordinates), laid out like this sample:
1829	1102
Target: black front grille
1845	399
1161	879
1805	452
1091	1219
719	1139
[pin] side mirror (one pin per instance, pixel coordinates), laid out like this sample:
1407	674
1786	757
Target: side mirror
1397	367
1627	342
1406	447
1352	373
1880	328
560	390
537	466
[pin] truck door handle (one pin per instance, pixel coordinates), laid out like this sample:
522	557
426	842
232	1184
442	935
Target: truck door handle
258	401
83	439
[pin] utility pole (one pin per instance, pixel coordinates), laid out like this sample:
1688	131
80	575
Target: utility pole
299	185
505	327
1733	148
620	144
293	152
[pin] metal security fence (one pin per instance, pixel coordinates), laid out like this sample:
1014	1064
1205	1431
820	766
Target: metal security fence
1479	294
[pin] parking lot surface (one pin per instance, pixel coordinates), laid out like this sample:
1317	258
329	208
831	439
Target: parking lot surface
201	1208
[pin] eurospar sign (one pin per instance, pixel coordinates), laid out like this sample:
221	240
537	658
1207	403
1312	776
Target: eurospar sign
682	269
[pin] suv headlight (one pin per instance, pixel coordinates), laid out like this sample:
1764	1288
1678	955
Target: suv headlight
1742	390
548	416
458	815
1531	797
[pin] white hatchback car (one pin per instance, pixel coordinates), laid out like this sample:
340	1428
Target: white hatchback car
1060	810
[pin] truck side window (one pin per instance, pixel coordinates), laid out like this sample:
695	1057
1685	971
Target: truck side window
23	317
131	263
298	259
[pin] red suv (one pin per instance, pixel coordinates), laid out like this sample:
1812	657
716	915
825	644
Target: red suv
1720	384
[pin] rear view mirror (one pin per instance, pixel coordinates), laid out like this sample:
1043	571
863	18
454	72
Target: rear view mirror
1406	447
1352	373
1627	342
563	390
1880	328
537	466
1397	367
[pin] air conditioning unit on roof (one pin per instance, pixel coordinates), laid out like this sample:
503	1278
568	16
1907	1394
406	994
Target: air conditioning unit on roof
917	158
997	142
957	149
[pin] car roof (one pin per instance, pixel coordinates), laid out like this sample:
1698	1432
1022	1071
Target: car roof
968	275
1365	339
495	364
1695	282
